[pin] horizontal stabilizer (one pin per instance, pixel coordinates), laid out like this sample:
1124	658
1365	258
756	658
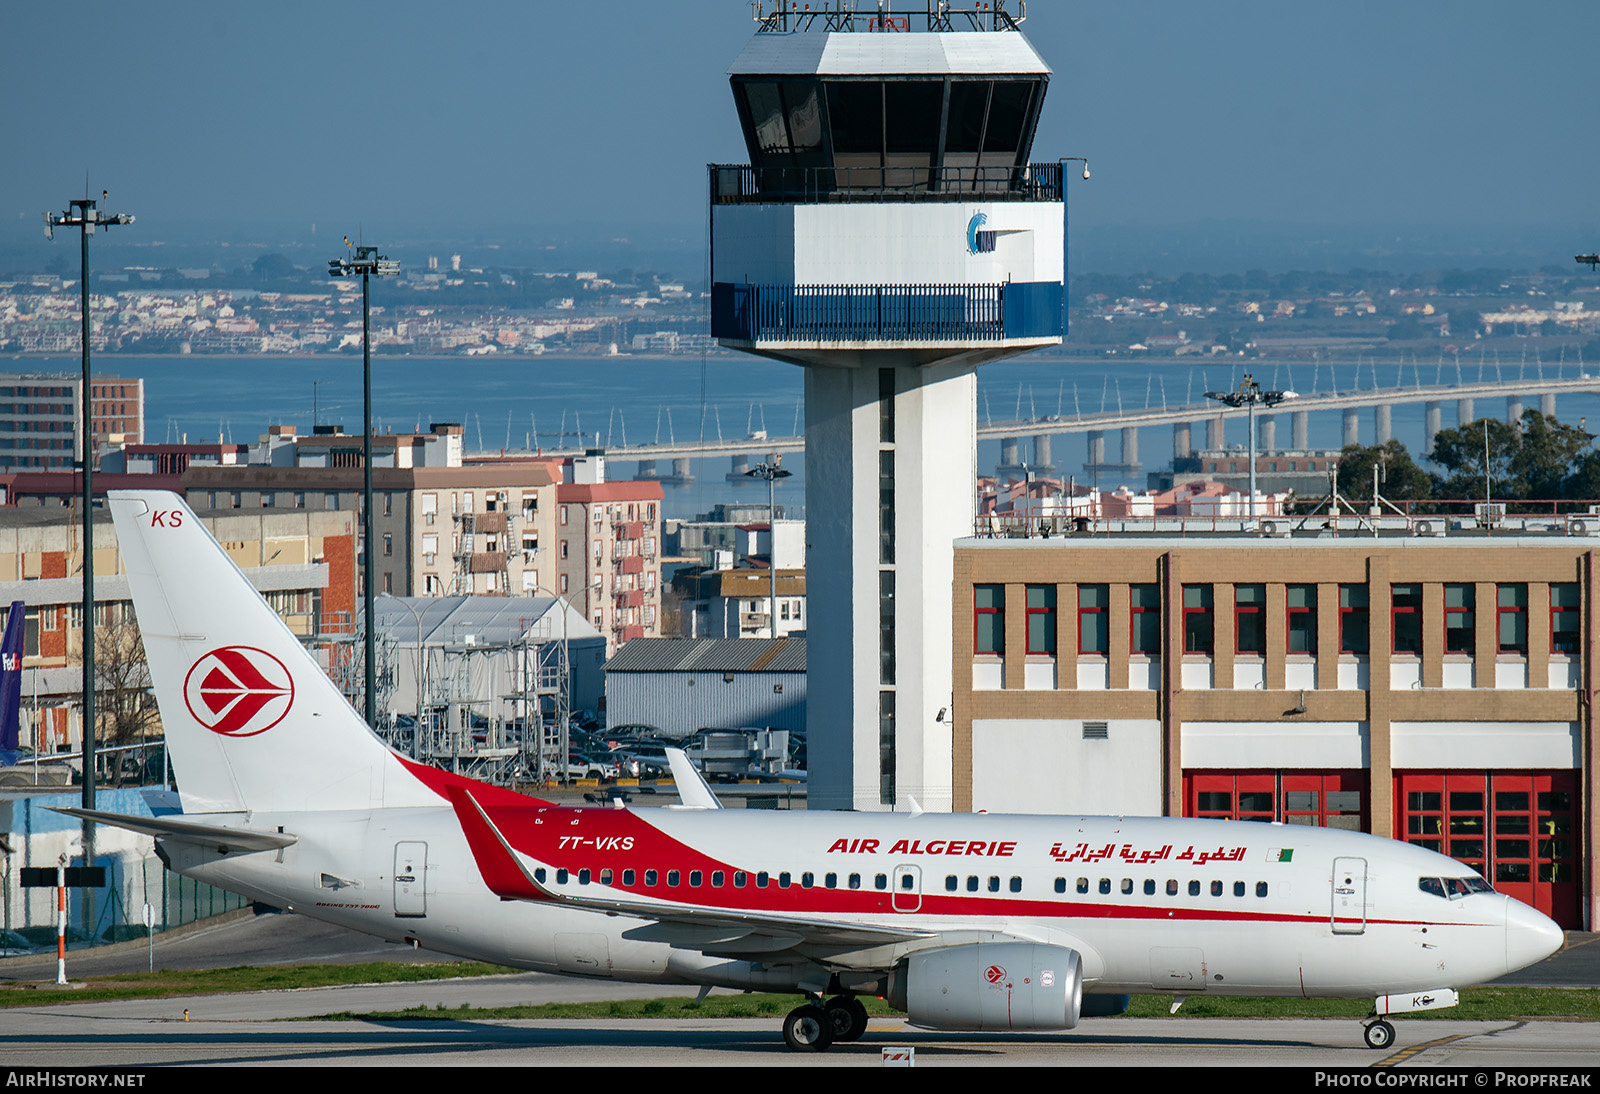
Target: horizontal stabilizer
230	839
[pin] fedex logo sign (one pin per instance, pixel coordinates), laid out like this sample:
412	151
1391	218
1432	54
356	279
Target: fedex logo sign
10	662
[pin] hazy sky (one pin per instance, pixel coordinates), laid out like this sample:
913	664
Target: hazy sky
540	116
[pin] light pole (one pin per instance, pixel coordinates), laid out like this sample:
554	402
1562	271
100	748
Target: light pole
772	473
1248	395
83	214
368	263
416	730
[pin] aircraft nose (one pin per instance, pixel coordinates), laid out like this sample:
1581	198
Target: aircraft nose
1531	936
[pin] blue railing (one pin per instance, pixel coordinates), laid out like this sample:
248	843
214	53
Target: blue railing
886	313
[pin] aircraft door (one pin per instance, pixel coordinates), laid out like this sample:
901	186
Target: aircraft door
1349	896
410	880
906	894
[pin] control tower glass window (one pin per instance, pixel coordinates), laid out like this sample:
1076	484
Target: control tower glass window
958	134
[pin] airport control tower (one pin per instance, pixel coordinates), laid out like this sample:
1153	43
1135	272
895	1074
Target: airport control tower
889	235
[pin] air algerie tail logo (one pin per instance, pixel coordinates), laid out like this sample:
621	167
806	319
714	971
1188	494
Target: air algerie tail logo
238	691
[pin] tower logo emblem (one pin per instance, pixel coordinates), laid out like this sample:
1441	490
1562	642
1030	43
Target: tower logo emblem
974	239
238	691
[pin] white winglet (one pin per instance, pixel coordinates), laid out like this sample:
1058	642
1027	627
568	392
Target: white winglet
693	790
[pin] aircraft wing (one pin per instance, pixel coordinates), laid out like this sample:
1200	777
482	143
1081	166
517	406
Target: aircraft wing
711	930
234	839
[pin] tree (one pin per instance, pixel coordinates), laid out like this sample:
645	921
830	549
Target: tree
1529	459
1401	478
125	709
274	267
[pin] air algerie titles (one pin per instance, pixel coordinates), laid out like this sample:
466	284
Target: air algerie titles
997	849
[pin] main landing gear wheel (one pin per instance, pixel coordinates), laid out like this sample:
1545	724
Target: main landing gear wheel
808	1028
1379	1034
847	1018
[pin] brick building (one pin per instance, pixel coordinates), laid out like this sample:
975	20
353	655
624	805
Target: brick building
1434	689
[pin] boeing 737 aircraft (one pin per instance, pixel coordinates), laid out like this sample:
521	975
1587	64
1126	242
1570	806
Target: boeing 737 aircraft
966	922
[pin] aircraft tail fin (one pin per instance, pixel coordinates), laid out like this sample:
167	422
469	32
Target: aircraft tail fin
252	721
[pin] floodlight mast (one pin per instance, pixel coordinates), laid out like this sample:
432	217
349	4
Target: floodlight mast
368	263
1248	395
83	214
771	473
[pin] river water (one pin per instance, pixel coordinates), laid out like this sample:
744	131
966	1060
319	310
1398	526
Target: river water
521	402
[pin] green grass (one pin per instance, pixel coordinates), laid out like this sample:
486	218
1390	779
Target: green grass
1487	1004
166	983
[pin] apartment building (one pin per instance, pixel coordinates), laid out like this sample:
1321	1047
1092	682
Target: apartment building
39	414
608	537
441	527
1433	683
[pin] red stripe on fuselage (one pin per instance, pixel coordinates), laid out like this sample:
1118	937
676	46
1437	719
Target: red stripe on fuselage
596	839
440	783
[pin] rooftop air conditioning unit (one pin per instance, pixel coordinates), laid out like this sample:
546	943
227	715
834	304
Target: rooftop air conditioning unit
1489	513
1277	529
1433	526
1583	526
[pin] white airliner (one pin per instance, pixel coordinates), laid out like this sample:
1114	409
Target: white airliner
966	922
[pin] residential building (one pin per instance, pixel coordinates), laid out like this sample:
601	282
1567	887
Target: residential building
39	414
608	537
738	603
442	526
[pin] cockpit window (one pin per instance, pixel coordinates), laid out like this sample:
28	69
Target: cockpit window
1454	888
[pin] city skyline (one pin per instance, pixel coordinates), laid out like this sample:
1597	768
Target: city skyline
1217	132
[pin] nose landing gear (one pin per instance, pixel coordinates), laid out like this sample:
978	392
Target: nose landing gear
1379	1034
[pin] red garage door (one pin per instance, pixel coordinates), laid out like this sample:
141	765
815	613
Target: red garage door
1329	799
1519	829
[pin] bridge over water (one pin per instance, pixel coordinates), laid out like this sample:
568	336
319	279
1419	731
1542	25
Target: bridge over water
1517	393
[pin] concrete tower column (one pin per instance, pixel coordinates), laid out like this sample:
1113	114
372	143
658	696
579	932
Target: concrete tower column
1097	448
1352	426
1182	445
1216	433
682	471
1130	446
1547	404
1008	452
930	472
1041	452
738	466
1300	430
647	469
1513	409
1432	422
1267	434
1464	413
1382	423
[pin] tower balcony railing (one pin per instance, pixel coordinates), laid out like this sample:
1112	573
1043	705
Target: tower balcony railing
886	313
742	184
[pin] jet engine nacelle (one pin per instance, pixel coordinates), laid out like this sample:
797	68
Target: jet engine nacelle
1015	986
